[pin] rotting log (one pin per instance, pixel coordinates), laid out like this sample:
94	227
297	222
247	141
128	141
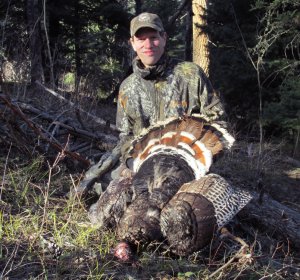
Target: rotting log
279	220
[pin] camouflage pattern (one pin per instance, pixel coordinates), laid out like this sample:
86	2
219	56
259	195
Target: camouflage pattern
171	88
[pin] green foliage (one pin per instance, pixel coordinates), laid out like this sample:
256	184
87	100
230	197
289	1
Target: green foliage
276	55
284	114
69	79
255	59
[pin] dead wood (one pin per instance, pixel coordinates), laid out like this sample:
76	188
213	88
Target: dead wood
177	14
277	219
39	133
109	140
72	104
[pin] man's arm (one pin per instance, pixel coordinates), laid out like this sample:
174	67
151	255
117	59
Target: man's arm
109	159
123	125
209	100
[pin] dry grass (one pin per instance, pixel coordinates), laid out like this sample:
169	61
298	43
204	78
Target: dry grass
36	214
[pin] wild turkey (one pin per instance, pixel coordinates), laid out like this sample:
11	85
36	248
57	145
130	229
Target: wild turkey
164	159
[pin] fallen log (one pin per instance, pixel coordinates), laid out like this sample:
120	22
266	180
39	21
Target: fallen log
277	219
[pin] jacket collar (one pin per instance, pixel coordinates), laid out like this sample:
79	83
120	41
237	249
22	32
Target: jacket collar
152	72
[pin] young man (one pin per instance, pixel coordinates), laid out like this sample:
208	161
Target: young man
160	87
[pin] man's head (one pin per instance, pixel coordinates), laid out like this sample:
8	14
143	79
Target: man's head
148	38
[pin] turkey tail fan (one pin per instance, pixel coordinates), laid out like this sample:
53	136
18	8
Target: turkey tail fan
227	199
192	138
190	218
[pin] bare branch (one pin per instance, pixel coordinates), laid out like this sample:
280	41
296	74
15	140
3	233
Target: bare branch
37	130
72	104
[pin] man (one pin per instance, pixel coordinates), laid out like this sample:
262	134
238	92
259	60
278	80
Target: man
160	87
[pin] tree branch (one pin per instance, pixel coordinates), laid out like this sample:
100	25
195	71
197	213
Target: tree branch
39	132
177	14
72	104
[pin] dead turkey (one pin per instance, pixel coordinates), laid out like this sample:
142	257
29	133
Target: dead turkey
157	203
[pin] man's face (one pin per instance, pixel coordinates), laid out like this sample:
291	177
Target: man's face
149	45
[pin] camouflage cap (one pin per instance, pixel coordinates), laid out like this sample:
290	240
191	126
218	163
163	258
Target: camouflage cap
146	20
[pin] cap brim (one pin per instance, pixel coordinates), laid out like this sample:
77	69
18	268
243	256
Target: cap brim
153	26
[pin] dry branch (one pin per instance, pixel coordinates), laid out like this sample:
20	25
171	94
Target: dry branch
72	104
177	14
109	140
104	141
279	220
38	131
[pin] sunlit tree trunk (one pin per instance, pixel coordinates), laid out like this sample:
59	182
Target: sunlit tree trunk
200	38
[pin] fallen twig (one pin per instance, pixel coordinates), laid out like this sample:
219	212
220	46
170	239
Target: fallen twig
72	104
37	130
95	136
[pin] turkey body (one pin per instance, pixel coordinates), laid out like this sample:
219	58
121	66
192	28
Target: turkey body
156	182
170	196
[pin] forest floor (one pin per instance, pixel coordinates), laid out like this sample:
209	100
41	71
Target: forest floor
46	234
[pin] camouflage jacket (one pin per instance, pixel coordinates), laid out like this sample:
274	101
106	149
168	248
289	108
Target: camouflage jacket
171	88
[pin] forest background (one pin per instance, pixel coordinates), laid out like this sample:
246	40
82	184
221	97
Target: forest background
83	46
78	50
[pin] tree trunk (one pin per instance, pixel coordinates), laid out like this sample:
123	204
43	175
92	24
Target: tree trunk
35	44
77	46
138	6
277	219
200	38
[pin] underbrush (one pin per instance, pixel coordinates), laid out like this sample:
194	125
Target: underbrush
46	234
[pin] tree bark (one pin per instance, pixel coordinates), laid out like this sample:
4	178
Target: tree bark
272	216
188	33
54	31
200	38
35	44
77	46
